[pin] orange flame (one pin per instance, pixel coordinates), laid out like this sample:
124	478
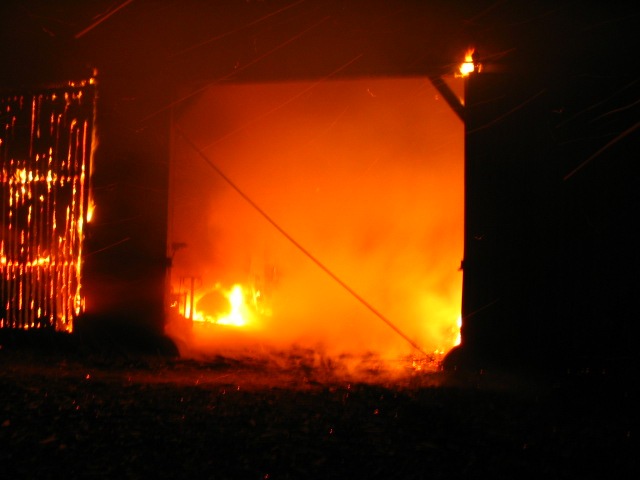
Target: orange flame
91	209
236	314
469	66
458	339
43	210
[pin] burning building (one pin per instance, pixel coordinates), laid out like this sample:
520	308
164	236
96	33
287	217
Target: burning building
46	146
268	133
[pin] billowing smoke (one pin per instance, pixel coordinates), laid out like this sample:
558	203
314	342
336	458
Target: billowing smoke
365	175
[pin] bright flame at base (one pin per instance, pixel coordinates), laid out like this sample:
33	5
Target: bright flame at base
219	307
238	315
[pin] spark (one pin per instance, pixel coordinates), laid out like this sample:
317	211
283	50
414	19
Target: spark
115	244
237	70
478	310
506	114
101	19
283	104
230	32
597	104
484	12
601	150
616	110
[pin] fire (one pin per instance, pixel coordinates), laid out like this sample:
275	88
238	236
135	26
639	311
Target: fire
221	307
91	209
237	316
44	154
458	339
382	212
469	65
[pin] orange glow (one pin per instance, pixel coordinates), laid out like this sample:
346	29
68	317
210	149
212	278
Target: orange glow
366	175
469	66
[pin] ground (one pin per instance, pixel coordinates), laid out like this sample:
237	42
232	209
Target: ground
71	410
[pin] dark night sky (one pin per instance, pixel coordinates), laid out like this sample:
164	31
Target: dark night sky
197	41
575	59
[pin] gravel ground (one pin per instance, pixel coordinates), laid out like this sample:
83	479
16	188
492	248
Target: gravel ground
75	411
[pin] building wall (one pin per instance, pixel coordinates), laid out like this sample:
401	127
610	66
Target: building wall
45	160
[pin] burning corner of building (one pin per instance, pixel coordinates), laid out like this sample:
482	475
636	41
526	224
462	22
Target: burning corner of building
46	147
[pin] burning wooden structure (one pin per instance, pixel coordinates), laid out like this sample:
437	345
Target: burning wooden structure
46	145
552	210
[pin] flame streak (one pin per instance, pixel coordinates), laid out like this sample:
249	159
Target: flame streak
45	150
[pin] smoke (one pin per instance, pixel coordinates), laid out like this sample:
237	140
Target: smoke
366	175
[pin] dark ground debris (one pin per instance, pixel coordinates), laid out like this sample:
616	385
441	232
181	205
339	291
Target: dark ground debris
74	412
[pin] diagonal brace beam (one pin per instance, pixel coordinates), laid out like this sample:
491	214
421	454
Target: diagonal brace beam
450	97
